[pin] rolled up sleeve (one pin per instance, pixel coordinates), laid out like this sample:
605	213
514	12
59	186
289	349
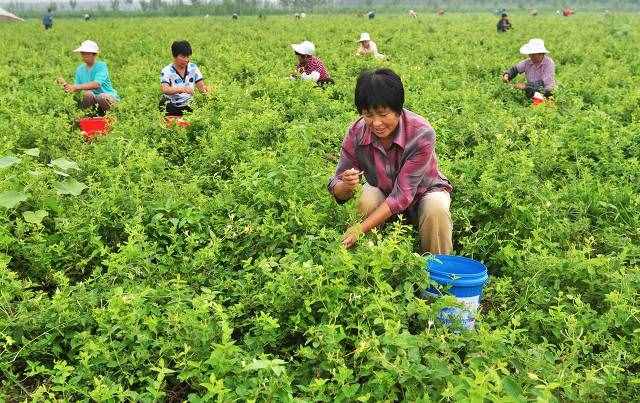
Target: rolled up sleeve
411	174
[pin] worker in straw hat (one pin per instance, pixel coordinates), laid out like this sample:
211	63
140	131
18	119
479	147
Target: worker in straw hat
309	67
539	70
367	47
92	80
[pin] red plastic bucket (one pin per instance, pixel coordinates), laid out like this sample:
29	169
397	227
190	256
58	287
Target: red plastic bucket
92	127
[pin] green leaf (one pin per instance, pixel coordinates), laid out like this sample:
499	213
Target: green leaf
511	387
34	152
35	217
8	161
12	198
277	365
64	164
69	187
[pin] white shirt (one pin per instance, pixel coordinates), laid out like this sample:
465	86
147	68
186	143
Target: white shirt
371	50
169	75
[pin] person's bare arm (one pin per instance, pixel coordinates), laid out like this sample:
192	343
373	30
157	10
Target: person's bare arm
77	87
345	187
202	87
375	219
169	90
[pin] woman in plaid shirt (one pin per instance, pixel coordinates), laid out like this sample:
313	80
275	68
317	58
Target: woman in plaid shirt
394	149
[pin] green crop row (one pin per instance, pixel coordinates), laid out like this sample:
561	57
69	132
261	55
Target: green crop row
204	263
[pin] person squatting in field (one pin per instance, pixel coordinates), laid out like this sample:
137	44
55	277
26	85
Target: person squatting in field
394	149
504	24
309	67
178	80
92	80
539	70
367	47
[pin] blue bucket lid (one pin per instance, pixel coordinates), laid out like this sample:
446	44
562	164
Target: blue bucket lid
457	269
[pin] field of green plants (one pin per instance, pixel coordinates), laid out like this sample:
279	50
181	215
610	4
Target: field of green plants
204	263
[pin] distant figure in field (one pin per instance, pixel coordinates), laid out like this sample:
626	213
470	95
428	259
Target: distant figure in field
367	47
440	12
303	15
234	16
533	12
179	80
371	15
567	12
92	80
87	17
309	67
539	70
47	19
412	14
395	150
504	24
262	17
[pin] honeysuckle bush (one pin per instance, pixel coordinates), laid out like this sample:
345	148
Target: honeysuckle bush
204	263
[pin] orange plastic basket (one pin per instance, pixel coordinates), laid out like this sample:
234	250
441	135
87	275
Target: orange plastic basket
92	127
176	121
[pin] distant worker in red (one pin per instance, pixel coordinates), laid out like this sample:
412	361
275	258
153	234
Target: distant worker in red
539	70
309	67
567	12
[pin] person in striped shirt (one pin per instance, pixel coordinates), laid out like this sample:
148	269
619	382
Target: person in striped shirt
394	149
179	80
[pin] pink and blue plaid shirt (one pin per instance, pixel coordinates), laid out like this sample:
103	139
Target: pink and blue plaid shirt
405	172
314	64
543	73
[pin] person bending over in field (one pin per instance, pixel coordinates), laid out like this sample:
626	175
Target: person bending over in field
178	80
310	67
394	149
539	70
504	24
92	80
367	47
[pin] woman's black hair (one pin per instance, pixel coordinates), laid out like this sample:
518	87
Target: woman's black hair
379	88
181	48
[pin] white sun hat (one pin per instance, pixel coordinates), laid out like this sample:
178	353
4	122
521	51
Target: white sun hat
533	46
88	47
304	48
364	37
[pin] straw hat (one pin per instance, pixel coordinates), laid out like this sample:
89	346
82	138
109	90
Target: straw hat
88	47
364	37
533	46
304	48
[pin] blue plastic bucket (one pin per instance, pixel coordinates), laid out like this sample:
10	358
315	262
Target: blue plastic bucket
461	277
